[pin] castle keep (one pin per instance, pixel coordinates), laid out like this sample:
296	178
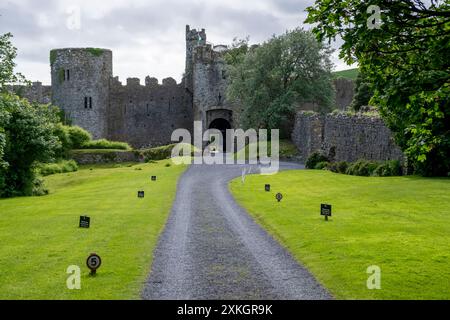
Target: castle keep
83	85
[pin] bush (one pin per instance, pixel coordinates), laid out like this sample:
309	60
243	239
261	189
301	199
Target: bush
78	136
338	167
362	168
321	165
161	153
63	134
105	144
314	159
388	169
46	169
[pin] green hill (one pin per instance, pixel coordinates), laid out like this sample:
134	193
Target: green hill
348	74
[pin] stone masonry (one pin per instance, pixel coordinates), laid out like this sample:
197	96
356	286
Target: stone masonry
344	137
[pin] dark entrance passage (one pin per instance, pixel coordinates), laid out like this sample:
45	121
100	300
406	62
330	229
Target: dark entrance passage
222	125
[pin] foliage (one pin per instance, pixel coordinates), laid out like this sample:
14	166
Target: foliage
52	57
321	165
105	144
338	167
29	137
235	55
7	55
78	136
388	169
363	92
406	61
160	153
63	166
95	51
271	80
401	224
362	168
314	159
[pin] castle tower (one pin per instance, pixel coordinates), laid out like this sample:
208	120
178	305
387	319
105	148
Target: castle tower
194	38
80	86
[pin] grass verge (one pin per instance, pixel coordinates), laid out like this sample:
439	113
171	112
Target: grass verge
40	236
401	224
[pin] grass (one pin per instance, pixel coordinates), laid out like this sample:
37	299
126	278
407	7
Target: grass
286	150
348	74
40	237
401	224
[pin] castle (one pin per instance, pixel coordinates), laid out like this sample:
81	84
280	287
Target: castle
83	85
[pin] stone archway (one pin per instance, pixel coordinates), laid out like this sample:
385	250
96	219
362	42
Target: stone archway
222	125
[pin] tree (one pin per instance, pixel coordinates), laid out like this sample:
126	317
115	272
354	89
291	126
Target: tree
7	55
363	92
269	81
28	133
403	49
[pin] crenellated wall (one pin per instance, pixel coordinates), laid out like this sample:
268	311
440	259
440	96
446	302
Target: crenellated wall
344	137
146	115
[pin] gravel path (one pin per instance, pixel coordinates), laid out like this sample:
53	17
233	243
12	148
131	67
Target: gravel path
212	249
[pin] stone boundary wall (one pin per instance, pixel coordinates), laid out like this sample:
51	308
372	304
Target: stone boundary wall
95	157
344	137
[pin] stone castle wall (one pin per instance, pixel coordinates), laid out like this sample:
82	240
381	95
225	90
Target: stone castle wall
146	115
344	137
36	92
80	86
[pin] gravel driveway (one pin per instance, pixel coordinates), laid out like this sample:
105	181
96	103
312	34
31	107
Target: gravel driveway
212	249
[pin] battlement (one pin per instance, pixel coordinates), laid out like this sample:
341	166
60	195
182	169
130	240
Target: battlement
194	35
208	53
150	82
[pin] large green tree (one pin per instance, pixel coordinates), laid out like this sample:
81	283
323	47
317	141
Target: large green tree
8	54
268	82
403	48
29	137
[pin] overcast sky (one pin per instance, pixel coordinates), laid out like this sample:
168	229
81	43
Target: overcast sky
147	37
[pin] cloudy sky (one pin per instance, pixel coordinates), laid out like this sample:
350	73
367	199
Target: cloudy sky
146	36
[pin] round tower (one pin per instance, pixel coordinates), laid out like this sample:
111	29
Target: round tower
80	86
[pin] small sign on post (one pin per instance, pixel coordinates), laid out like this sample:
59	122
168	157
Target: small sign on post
279	196
153	178
141	194
85	221
325	210
93	262
267	187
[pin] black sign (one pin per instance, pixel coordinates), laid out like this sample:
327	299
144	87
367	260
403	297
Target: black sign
153	178
267	187
279	196
141	194
93	262
85	221
325	210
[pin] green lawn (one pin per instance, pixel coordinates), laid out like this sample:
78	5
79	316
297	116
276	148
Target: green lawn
40	237
401	224
348	74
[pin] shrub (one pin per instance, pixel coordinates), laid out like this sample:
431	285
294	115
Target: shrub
321	165
362	168
388	168
105	144
63	134
78	136
46	169
314	159
161	153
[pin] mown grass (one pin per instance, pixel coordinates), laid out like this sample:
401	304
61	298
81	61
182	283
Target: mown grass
401	224
40	237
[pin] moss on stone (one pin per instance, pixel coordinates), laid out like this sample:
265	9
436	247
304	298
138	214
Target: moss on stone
52	57
61	75
95	51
